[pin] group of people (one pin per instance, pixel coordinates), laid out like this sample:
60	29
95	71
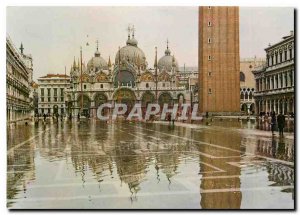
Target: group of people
279	121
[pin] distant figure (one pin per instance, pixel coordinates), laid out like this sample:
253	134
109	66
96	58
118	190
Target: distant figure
78	116
273	122
44	117
281	123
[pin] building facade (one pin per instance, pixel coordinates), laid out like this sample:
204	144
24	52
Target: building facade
35	90
129	80
19	102
51	94
275	81
188	77
247	83
219	60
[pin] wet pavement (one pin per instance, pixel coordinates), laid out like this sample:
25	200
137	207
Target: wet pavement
94	165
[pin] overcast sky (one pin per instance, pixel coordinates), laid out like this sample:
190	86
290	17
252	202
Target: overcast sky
53	35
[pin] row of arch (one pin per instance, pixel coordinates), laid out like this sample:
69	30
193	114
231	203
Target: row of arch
128	96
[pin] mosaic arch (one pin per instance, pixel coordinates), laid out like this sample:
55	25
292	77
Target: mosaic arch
147	76
125	96
165	98
99	99
85	78
147	98
101	77
164	76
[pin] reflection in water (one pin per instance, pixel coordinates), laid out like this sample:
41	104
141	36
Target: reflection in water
203	162
220	200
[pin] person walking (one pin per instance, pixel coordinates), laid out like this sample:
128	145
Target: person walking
44	117
281	123
273	122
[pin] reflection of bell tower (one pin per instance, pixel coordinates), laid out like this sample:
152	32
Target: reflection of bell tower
229	180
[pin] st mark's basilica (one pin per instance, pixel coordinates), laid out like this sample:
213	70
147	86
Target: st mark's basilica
129	80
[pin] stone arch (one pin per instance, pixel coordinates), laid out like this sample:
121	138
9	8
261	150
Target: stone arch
147	98
244	107
124	94
250	95
246	95
180	98
242	95
85	100
165	97
99	99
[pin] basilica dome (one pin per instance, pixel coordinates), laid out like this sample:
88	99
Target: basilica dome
167	62
131	53
97	62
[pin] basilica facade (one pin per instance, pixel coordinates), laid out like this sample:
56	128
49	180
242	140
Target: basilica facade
128	80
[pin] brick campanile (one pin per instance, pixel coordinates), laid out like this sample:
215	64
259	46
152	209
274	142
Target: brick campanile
219	60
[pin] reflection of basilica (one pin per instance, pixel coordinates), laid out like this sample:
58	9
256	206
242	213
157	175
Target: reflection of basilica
127	81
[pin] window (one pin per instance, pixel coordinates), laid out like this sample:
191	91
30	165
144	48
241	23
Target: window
55	91
209	40
42	99
62	99
242	77
272	60
291	54
164	84
84	87
285	55
209	24
276	58
242	96
147	85
42	92
49	99
49	91
61	91
101	85
209	73
280	57
209	91
209	57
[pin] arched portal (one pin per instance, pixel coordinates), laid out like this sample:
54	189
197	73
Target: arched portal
125	96
147	98
100	98
165	98
84	103
180	99
124	78
244	107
